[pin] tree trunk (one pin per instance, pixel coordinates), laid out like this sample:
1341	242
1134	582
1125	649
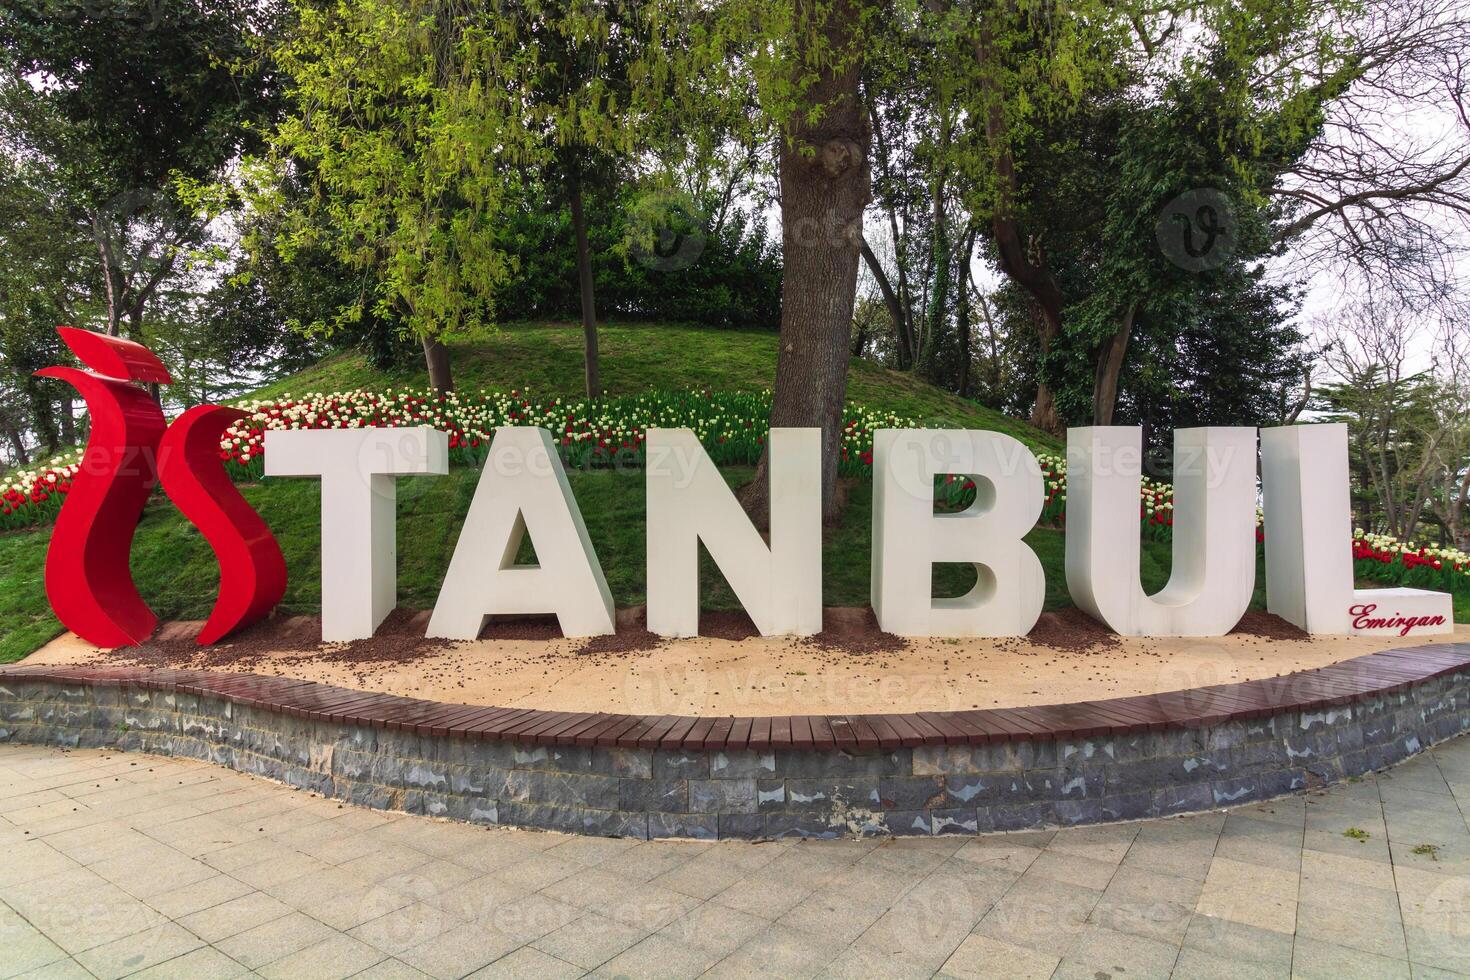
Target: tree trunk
68	422
109	278
941	263
825	185
1109	367
43	417
1044	414
962	313
962	317
900	308
894	306
1457	507
934	323
17	445
860	338
436	359
1021	256
584	284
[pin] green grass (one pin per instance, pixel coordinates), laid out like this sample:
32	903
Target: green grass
176	574
175	570
547	359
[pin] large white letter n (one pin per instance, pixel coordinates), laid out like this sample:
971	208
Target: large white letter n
523	488
780	586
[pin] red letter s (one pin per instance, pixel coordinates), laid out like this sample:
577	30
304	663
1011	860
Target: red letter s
88	580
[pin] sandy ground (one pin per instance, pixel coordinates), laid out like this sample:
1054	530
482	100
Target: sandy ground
776	676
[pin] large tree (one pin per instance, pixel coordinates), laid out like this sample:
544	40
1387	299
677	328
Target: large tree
125	99
1398	384
417	124
1094	139
825	186
47	277
786	76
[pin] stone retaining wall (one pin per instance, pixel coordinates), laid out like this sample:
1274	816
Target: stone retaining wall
940	789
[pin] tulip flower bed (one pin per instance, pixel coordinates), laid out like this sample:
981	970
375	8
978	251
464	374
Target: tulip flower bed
610	433
1384	558
33	498
605	434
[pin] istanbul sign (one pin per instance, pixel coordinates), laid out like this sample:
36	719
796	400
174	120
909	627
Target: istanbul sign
523	491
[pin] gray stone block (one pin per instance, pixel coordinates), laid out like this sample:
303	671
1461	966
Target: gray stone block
742	764
1225	736
1178	770
470	809
1183	799
1085	751
913	792
817	793
1315	743
696	826
632	763
722	796
574	820
562	789
554	758
955	820
809	825
741	826
770	794
369	795
1080	782
1256	755
843	764
1127	806
476	781
1235	791
908	823
654	795
678	764
1022	816
1073	812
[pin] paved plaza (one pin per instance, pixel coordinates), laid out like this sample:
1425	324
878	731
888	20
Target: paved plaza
118	865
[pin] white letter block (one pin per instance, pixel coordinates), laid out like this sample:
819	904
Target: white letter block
1309	559
523	488
909	538
359	538
1214	567
780	586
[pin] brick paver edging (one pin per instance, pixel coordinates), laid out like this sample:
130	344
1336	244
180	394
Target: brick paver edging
927	772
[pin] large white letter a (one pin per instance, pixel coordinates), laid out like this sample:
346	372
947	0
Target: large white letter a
523	488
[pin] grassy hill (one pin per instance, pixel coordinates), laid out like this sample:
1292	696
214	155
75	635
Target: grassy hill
175	569
546	358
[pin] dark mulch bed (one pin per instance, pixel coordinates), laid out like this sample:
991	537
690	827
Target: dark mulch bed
401	640
1268	626
1072	631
